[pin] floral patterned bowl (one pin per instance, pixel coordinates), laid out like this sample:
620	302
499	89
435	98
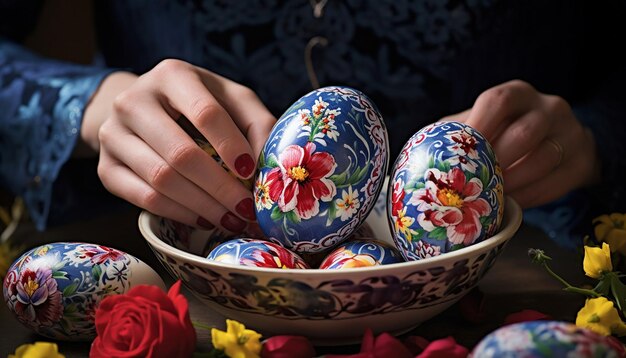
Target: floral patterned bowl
329	306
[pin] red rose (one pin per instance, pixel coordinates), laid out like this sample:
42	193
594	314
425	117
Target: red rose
287	347
145	322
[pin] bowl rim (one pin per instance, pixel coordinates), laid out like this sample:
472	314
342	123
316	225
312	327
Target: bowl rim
512	219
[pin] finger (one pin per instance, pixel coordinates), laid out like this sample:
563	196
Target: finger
521	137
499	105
187	158
122	182
164	179
250	114
187	93
531	168
547	189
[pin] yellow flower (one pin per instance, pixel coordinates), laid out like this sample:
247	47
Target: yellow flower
37	350
600	316
597	260
612	230
237	341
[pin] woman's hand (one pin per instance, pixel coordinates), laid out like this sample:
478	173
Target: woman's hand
147	159
543	149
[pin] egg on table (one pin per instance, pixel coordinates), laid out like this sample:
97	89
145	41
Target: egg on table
547	339
321	169
360	253
257	253
445	191
54	289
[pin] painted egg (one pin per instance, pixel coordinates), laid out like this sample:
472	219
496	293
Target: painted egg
257	253
446	191
321	169
363	232
547	339
54	289
360	253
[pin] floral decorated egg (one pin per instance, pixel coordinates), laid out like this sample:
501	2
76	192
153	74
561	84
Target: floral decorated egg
360	253
258	253
446	191
321	169
54	289
547	339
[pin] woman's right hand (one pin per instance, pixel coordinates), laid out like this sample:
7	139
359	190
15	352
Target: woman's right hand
147	159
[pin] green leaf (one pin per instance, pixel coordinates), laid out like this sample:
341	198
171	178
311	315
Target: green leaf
603	287
439	233
484	176
262	158
96	272
276	214
272	162
456	247
358	175
339	179
618	289
443	166
70	289
292	216
485	221
71	308
60	275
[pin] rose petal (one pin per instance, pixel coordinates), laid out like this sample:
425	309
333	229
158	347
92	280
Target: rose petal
525	316
444	348
287	347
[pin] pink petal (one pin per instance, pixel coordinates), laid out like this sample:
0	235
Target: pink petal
456	179
480	206
291	157
472	189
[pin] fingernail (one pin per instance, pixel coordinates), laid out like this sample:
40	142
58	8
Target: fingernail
232	223
204	223
245	208
244	165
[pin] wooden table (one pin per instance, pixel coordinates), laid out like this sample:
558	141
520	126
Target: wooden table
513	284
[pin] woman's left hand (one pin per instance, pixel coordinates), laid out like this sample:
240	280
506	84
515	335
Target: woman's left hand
544	151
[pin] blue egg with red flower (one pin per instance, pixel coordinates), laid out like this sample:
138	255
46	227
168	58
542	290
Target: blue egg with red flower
256	253
445	191
55	289
321	169
361	253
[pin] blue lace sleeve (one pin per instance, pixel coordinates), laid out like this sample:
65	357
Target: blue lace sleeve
41	108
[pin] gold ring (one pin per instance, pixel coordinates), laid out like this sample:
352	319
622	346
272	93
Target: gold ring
559	150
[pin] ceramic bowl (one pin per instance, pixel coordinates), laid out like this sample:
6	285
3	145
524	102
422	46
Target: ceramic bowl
330	306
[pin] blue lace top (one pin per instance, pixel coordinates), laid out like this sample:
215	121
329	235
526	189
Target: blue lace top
418	60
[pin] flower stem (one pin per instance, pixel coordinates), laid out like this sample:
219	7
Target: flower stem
568	287
202	325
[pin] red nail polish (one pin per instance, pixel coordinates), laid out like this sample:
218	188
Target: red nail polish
204	223
244	164
245	208
232	223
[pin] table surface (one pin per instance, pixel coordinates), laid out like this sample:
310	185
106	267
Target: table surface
512	285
